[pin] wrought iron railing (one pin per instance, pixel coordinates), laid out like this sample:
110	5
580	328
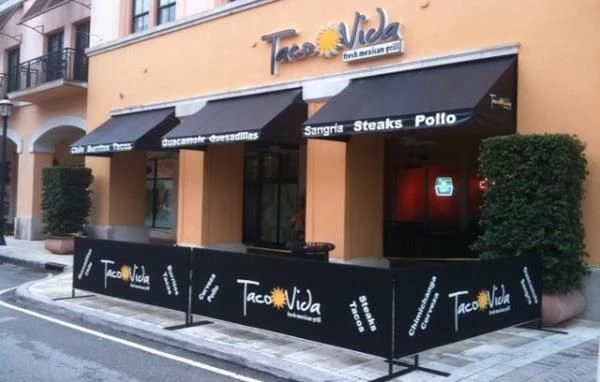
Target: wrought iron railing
68	64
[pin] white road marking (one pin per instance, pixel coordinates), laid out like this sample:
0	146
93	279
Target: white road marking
6	319
129	343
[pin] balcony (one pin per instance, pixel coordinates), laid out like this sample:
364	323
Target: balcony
56	75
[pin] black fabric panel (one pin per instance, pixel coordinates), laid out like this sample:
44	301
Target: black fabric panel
251	113
457	87
140	129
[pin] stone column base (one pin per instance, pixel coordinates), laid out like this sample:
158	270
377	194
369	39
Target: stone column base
138	234
591	292
29	229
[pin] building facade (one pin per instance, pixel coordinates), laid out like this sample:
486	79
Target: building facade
260	122
44	73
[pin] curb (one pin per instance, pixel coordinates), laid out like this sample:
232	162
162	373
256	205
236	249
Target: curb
40	265
271	365
28	263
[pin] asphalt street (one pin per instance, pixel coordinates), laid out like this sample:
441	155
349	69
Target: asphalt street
37	347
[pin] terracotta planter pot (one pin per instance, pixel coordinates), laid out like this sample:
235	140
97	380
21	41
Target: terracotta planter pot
557	308
60	245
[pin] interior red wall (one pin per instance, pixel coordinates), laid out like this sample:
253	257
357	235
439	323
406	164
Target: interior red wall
410	193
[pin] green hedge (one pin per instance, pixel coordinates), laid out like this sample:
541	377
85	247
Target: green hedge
66	200
533	204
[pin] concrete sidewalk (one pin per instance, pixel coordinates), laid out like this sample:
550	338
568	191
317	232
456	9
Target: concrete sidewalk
514	354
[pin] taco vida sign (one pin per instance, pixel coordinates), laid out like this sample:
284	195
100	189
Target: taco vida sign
138	272
355	42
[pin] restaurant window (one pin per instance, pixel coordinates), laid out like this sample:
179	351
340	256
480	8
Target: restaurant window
166	11
160	193
432	200
141	15
13	69
271	197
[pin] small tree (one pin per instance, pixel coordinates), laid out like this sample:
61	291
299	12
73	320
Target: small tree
66	200
533	204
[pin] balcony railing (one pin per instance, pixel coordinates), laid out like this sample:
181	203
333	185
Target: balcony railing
66	64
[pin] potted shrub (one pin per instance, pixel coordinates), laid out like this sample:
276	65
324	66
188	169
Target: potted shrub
533	206
66	205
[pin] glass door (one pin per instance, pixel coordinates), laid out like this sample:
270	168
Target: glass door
55	65
82	42
160	193
271	198
13	69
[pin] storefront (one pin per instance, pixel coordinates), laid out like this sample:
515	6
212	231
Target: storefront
352	124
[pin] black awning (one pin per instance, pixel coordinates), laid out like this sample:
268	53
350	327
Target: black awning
271	116
127	132
480	95
40	7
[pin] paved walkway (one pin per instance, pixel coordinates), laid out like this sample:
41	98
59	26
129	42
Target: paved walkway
514	354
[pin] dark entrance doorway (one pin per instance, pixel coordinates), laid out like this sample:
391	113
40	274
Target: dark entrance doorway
271	195
432	197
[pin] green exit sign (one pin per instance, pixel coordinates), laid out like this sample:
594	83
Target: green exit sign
444	186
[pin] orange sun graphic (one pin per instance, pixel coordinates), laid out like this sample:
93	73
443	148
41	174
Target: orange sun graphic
328	41
278	297
125	272
483	300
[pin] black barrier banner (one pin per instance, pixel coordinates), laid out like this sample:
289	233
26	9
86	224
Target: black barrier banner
438	305
342	305
151	274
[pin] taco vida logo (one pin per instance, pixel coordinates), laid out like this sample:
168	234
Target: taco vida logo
355	43
297	303
493	302
134	275
503	102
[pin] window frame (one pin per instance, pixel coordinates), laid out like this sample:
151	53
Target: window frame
135	16
160	8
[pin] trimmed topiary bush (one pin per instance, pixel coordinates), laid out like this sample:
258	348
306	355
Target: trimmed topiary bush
66	200
533	204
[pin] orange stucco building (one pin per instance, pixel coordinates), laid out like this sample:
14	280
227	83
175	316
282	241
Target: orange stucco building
267	113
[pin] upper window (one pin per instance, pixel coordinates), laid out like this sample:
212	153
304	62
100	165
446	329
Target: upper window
141	15
13	69
55	42
166	11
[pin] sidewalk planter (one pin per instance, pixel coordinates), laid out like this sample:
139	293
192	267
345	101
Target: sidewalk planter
60	245
557	308
66	205
533	206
